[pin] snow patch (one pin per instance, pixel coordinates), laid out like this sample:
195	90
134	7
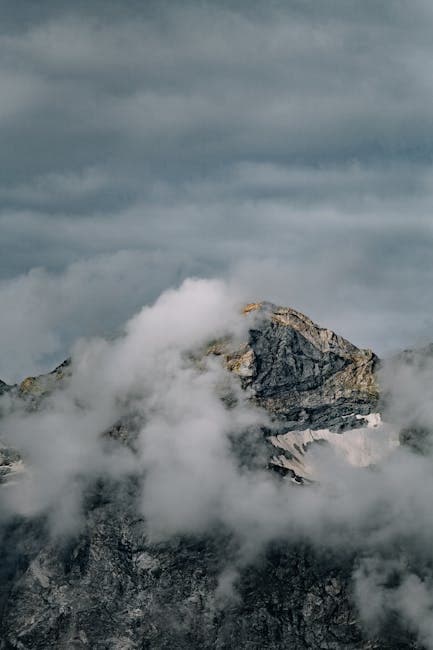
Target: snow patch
359	447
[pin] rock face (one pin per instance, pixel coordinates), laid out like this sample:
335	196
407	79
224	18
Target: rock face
35	388
304	374
4	388
113	588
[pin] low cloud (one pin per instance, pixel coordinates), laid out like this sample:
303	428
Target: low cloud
187	414
44	313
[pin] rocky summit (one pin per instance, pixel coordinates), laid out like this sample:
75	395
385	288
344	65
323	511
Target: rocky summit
304	374
111	586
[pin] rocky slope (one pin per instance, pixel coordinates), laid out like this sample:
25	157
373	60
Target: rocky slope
4	388
113	587
304	374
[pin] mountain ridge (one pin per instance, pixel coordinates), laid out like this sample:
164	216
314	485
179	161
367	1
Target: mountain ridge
113	586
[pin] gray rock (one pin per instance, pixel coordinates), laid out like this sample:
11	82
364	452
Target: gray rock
303	374
4	388
113	588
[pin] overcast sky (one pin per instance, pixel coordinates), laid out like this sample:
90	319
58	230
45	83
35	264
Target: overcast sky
286	146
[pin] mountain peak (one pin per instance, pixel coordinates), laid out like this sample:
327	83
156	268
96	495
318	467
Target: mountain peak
303	373
322	338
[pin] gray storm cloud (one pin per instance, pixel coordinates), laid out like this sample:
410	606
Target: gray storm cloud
293	138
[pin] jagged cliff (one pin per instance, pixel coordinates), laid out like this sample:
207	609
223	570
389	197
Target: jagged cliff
304	374
113	587
4	387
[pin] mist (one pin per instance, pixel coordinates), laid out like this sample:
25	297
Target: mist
188	411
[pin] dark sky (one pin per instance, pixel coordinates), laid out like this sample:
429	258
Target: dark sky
285	146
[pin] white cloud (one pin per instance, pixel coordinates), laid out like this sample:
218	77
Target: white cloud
44	313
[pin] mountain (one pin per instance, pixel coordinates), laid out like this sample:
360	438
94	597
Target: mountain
305	374
113	586
4	388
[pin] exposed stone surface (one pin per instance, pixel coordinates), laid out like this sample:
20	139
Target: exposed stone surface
113	588
4	388
34	388
305	375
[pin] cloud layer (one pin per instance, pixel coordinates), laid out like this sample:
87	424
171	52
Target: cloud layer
292	142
